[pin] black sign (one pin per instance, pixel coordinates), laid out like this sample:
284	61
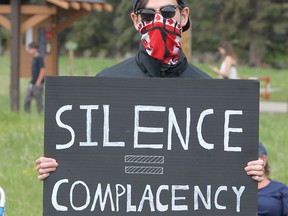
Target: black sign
150	146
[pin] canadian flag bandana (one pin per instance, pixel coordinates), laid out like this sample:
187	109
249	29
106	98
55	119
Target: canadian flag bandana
161	38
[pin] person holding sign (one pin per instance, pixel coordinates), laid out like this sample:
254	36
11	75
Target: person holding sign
272	195
160	24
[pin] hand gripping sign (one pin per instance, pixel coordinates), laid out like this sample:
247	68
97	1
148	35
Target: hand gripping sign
150	146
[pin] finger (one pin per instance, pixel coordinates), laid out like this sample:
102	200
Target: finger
41	160
255	168
258	178
255	173
45	171
44	159
38	161
257	162
43	176
46	165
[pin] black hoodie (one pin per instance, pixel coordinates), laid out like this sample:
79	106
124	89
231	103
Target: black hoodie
143	65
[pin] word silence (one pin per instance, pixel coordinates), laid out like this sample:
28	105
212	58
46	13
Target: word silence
137	128
150	146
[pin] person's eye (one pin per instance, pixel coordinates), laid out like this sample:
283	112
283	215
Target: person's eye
168	11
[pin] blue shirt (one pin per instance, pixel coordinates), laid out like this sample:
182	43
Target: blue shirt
37	65
273	200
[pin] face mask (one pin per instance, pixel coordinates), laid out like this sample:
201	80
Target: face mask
161	38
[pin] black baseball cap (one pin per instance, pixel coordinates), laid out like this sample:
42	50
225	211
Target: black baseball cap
181	3
262	150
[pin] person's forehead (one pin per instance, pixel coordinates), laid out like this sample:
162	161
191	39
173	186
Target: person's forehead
156	4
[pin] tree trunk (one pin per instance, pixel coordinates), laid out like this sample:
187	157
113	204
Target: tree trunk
255	52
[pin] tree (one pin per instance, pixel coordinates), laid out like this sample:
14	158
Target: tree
127	38
108	32
254	27
92	32
205	21
258	30
253	24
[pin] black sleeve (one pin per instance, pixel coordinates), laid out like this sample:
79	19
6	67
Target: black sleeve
40	63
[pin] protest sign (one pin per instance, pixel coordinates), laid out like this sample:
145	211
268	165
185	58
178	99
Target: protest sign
150	146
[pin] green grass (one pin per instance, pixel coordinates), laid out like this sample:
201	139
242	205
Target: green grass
85	66
273	133
278	79
21	139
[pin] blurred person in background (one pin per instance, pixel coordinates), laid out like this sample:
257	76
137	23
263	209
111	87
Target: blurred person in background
228	68
2	202
36	85
272	195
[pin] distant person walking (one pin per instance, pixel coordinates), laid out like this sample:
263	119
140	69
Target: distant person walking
272	195
228	67
35	88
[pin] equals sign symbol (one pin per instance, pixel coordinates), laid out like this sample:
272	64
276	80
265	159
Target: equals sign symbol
144	165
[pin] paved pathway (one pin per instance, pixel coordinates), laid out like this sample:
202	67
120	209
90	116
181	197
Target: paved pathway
274	107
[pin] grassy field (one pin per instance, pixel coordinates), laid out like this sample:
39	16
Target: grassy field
21	137
278	79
